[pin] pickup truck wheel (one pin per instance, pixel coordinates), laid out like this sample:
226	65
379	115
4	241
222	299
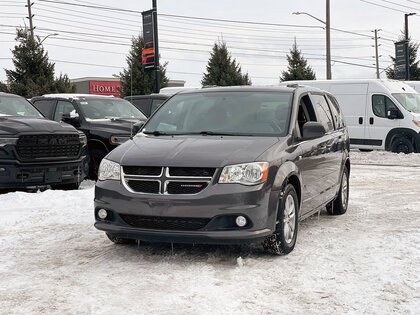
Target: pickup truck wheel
402	145
73	186
340	204
119	240
283	240
96	157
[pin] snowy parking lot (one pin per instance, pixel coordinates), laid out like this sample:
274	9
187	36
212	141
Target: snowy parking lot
53	261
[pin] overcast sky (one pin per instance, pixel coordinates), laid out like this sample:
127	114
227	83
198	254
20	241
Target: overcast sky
101	38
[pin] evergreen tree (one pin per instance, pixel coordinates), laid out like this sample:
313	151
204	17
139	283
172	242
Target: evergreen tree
413	64
33	74
62	85
222	70
3	87
298	68
143	82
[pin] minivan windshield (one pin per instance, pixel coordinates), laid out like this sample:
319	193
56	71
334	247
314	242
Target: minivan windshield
251	113
17	106
112	108
410	101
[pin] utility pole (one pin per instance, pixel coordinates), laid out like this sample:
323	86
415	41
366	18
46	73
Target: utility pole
328	30
156	42
30	16
377	54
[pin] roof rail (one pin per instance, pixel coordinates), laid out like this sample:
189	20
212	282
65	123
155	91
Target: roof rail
294	85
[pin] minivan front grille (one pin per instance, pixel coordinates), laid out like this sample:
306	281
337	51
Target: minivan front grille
32	147
166	180
165	223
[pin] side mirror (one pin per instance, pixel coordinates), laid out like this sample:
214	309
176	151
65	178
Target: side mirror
393	113
73	120
312	130
137	127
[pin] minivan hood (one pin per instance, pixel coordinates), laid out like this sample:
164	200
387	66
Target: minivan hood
191	151
122	126
12	125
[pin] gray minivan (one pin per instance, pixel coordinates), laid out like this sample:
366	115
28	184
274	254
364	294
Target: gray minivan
227	166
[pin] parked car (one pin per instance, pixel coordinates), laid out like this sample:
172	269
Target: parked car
227	165
105	120
380	114
147	103
37	152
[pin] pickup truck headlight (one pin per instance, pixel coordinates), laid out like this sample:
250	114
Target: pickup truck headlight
245	174
83	139
119	139
109	170
5	141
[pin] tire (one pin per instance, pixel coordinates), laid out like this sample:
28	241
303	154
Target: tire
281	242
96	157
74	186
402	145
119	240
341	202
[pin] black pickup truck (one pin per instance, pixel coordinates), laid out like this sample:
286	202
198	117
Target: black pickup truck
105	120
35	151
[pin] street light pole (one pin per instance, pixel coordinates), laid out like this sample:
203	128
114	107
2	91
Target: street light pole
328	37
55	34
327	24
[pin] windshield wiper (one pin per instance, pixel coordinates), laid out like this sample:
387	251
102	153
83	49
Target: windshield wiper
156	133
216	133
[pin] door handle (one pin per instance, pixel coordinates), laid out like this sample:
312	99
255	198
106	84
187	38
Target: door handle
371	120
360	120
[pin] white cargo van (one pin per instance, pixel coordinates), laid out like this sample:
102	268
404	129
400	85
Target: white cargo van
414	84
380	114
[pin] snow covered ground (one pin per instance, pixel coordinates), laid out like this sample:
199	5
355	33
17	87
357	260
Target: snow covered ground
53	261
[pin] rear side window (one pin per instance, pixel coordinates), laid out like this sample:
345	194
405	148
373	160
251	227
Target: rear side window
155	105
46	107
142	104
337	115
63	107
381	104
323	111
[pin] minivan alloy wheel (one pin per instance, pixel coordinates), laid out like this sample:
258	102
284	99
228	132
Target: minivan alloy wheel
289	219
344	190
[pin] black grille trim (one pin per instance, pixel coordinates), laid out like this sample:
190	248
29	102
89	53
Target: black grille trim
165	223
143	170
144	186
33	147
185	188
191	172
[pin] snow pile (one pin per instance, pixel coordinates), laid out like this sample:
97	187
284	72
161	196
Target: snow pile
384	158
53	261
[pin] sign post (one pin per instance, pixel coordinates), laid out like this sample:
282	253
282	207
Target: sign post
402	70
150	52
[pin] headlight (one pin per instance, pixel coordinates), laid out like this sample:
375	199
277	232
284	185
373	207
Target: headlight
417	122
119	139
82	139
246	174
109	170
6	141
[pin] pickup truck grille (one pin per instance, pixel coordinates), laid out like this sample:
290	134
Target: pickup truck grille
33	147
166	180
165	223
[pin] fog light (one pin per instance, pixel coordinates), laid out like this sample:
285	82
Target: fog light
240	221
102	214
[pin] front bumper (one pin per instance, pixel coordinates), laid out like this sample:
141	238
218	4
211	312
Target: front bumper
218	203
16	174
